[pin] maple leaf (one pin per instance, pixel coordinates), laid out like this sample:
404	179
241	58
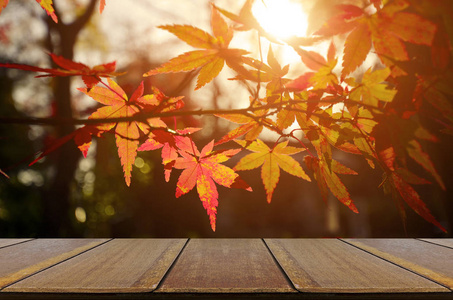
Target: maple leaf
402	189
356	48
47	6
252	123
204	169
249	127
372	89
323	76
386	30
271	160
166	140
212	59
415	151
101	6
325	168
341	22
3	4
276	72
433	94
271	72
396	181
119	106
328	180
90	76
81	137
286	117
311	59
246	20
301	83
395	27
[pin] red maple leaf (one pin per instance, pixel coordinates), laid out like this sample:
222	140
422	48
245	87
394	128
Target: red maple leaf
91	76
165	139
203	169
81	136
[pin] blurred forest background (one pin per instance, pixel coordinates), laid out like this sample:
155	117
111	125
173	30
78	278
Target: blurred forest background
66	195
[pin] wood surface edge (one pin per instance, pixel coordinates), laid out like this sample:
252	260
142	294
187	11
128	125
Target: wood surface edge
7	283
440	279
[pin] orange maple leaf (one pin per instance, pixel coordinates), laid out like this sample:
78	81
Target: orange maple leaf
47	6
246	20
328	180
372	89
325	170
203	169
356	48
272	72
271	160
3	4
212	59
101	6
119	106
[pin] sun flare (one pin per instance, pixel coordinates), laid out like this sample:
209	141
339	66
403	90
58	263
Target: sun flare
281	18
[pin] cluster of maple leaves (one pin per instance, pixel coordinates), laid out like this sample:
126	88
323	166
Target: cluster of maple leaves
377	118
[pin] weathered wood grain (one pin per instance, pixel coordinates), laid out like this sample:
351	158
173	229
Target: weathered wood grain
24	259
119	266
432	261
332	266
9	242
225	266
442	242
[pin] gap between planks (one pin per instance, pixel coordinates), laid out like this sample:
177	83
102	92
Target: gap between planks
285	274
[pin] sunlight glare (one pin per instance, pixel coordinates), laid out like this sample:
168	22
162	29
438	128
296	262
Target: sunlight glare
281	18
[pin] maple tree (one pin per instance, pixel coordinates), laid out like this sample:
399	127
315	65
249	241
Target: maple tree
375	116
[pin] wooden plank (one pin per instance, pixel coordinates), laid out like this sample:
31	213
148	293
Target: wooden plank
119	266
24	259
443	242
432	261
225	266
332	266
9	242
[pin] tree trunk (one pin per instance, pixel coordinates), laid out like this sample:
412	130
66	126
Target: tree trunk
57	214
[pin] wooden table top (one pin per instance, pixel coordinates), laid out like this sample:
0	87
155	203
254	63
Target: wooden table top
226	268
